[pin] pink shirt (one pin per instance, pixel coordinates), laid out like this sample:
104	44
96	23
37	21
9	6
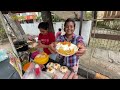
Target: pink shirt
58	34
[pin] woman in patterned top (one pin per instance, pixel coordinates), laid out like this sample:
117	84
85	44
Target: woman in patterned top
71	61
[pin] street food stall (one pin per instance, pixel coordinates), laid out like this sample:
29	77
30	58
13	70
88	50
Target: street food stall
32	63
42	67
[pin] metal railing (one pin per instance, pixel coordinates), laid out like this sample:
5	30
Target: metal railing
106	34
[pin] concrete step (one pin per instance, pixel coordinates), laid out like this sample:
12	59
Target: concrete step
86	73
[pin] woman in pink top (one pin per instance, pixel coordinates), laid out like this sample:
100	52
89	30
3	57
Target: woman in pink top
58	33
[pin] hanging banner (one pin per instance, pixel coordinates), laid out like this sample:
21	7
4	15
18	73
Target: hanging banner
15	62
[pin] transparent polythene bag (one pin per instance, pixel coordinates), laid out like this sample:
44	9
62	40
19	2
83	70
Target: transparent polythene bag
30	73
3	55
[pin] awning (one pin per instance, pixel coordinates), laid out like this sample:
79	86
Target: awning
62	14
67	14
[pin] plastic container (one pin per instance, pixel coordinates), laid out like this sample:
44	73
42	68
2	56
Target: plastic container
41	58
34	54
26	66
37	70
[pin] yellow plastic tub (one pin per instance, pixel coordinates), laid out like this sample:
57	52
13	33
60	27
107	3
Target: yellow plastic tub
41	58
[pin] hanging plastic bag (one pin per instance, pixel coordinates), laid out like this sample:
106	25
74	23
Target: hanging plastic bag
3	55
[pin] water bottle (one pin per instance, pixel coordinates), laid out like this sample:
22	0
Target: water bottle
37	71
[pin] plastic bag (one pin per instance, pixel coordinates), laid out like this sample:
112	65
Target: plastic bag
31	74
3	55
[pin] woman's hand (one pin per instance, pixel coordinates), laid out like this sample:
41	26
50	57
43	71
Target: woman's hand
52	47
71	76
67	76
51	50
81	50
40	45
42	66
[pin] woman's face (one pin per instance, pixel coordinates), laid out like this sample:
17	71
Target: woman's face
43	31
69	28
